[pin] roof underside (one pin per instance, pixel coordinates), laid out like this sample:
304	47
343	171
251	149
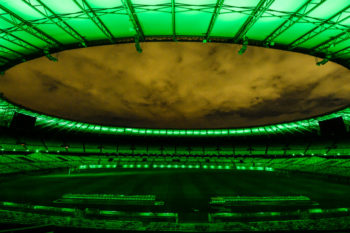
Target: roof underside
30	28
34	28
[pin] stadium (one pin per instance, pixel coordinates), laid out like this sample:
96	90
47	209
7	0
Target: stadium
59	175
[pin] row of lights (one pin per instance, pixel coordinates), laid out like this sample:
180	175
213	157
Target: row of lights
190	166
37	151
58	151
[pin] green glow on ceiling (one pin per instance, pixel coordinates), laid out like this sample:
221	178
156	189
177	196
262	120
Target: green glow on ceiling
44	26
30	29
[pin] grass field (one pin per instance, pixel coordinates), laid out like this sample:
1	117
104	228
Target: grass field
181	190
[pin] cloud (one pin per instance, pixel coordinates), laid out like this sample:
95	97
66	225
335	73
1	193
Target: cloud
178	85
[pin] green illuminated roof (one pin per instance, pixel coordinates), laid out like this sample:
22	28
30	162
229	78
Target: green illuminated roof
32	28
35	28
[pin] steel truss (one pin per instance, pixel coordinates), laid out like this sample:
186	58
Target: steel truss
332	42
133	18
299	14
173	22
216	12
335	19
89	12
262	6
335	22
26	26
6	35
49	14
11	52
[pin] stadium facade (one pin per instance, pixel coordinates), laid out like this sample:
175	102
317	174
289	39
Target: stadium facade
35	142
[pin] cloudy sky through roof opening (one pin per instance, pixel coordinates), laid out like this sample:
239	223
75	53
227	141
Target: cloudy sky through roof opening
178	85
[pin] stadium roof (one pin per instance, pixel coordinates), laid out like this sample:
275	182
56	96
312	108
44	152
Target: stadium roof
35	28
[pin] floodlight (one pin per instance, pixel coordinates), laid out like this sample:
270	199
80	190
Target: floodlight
244	46
137	44
324	61
49	56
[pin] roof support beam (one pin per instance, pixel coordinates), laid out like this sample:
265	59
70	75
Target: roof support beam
341	52
46	12
304	10
17	41
86	8
10	51
173	22
133	18
321	28
332	42
258	11
4	59
216	12
19	22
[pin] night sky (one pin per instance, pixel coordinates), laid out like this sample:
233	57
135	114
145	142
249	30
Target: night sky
178	85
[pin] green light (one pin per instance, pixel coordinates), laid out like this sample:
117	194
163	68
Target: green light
168	166
176	166
125	166
163	131
197	166
155	166
205	166
131	165
342	209
162	166
138	165
190	166
219	167
69	210
183	166
5	203
315	211
170	132
212	167
145	166
142	131
227	167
